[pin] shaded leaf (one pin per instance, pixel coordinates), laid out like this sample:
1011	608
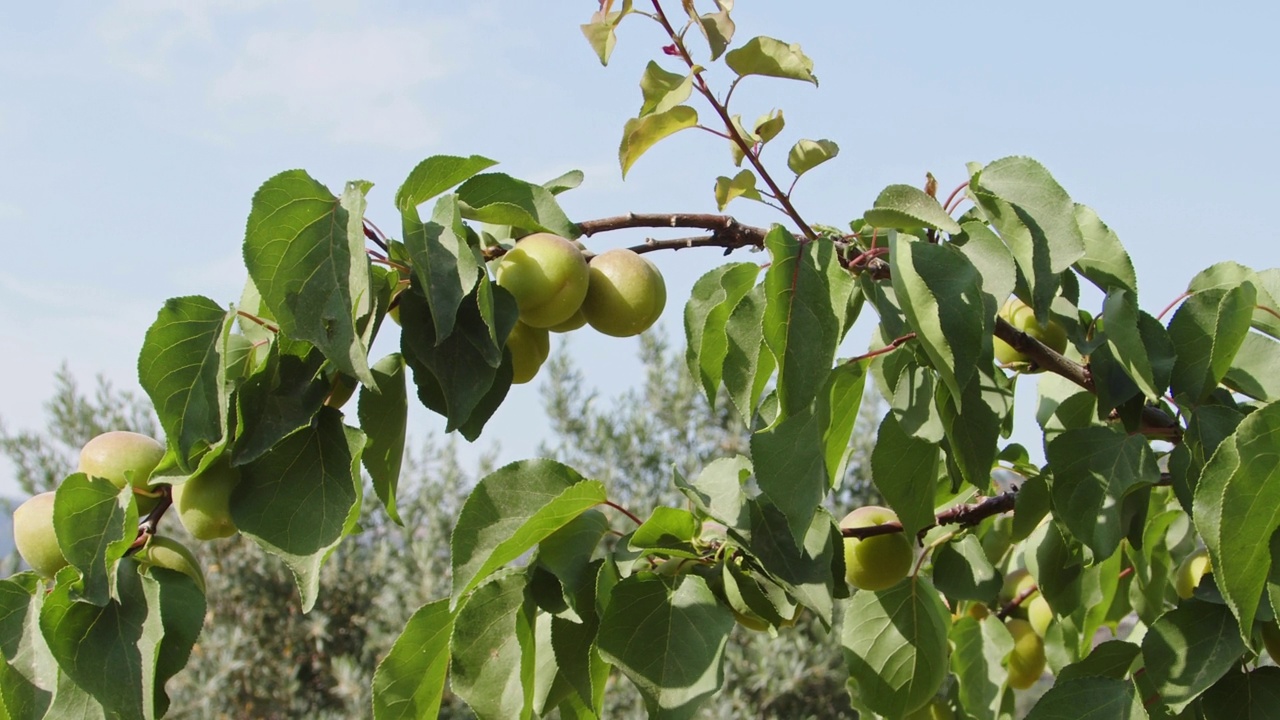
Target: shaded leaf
905	471
1089	697
510	511
980	648
1252	370
383	418
1253	695
1208	330
1189	649
181	368
500	199
445	262
748	362
1093	469
706	315
300	498
962	571
95	522
1105	262
1237	502
895	644
303	248
668	641
1036	219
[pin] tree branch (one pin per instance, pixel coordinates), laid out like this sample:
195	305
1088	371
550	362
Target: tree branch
966	515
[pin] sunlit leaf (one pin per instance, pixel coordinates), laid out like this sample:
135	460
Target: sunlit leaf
663	90
1089	697
95	522
770	57
409	681
806	155
906	208
1189	648
741	185
642	133
1208	330
493	650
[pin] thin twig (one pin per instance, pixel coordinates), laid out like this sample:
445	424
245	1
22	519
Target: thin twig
967	515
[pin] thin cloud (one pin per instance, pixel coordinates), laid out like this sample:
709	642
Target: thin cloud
360	85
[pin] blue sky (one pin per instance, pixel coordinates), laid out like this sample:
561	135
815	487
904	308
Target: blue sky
134	132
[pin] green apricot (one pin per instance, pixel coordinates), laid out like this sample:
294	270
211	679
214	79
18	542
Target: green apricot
165	552
547	275
121	457
626	294
34	536
203	502
878	562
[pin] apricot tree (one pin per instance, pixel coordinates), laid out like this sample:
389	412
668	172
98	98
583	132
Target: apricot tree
1159	432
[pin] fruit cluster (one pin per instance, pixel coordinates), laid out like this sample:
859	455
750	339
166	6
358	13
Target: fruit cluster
617	292
129	459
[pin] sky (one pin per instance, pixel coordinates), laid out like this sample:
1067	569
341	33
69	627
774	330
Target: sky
133	134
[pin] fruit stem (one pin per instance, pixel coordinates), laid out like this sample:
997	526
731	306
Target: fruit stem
1170	306
947	206
148	525
624	511
268	325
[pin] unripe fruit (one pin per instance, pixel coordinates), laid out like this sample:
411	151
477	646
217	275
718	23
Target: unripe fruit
573	323
1021	316
880	561
978	611
1039	614
626	294
34	536
165	552
203	502
1192	568
118	454
529	347
343	387
1026	660
547	275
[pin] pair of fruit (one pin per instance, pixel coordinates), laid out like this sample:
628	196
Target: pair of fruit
619	293
126	458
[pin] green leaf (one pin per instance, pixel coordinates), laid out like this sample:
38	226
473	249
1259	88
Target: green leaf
1253	695
718	29
905	471
299	499
992	259
303	248
718	489
706	315
663	90
974	431
909	208
1252	370
801	324
28	672
1228	274
1036	219
1105	262
980	648
70	701
580	663
279	398
601	31
181	368
437	174
98	646
741	185
846	385
962	571
1208	329
176	607
790	464
445	262
642	133
1189	649
567	181
748	363
683	668
1237	503
95	522
666	529
1089	697
1112	659
941	293
1057	564
409	681
383	418
1093	469
510	511
803	569
912	397
772	58
1120	317
503	200
895	644
768	126
458	377
567	554
493	650
806	155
